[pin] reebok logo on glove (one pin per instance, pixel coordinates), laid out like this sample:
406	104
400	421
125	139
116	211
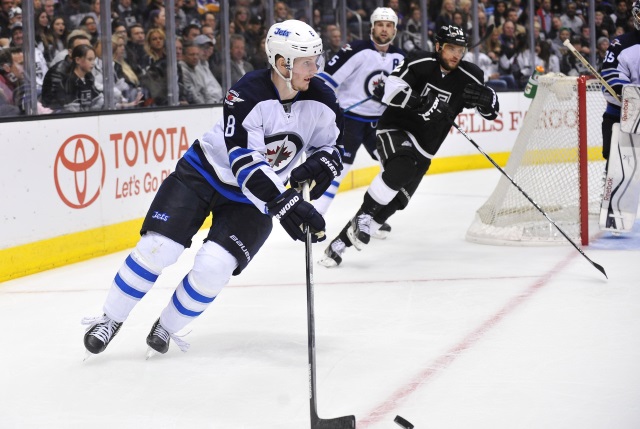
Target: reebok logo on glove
284	209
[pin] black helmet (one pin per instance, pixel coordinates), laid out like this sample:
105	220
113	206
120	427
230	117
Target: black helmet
451	34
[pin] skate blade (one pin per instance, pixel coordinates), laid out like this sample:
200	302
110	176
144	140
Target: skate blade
150	353
354	240
327	262
87	355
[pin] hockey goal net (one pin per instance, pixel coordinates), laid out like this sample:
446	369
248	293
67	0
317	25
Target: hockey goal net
557	160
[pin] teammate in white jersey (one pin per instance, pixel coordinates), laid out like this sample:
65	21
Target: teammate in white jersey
237	172
354	72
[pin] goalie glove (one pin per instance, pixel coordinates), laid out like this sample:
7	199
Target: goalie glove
433	108
293	213
320	169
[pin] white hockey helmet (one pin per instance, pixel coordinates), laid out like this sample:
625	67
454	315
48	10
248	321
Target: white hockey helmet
385	14
291	39
635	12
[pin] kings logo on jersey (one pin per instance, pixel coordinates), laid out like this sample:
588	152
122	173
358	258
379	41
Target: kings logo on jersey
442	94
281	149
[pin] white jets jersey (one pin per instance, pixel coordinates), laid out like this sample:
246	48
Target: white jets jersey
621	66
249	154
355	71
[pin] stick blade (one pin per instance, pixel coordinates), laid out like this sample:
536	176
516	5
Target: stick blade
346	422
402	422
600	268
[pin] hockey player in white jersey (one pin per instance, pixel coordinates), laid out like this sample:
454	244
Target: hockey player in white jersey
621	146
354	72
237	172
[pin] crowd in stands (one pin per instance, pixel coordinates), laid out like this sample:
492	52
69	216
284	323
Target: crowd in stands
69	70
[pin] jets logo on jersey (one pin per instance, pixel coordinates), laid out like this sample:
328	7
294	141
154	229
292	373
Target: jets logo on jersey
232	98
281	149
616	42
441	93
373	80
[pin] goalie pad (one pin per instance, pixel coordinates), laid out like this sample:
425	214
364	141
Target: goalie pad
630	111
622	184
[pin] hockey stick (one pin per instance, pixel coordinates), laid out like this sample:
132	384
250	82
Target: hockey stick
353	106
597	266
592	70
487	34
346	422
403	423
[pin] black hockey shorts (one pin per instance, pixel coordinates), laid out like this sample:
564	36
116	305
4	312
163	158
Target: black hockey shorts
356	133
182	204
607	129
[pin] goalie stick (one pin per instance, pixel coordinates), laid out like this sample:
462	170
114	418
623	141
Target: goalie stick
597	266
345	422
486	36
592	70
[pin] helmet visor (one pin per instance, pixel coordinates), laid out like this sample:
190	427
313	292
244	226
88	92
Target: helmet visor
308	65
455	49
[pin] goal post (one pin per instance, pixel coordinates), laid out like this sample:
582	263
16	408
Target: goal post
557	160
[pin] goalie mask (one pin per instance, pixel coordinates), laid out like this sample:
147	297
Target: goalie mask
292	39
385	14
635	12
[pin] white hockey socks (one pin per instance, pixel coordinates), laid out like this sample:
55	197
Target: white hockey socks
139	273
211	271
322	204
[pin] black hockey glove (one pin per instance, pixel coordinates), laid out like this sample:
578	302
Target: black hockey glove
319	170
378	92
293	212
476	95
433	109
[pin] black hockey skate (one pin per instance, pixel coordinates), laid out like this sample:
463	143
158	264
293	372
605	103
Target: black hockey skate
382	232
159	338
359	232
100	332
333	254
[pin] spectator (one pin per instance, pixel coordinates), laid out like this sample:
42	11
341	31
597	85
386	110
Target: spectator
499	14
241	19
545	15
80	93
209	56
492	76
260	60
95	11
15	16
154	47
151	6
135	53
569	65
180	16
621	15
11	81
557	44
546	58
190	32
508	39
252	36
239	65
281	12
571	20
601	51
127	83
198	80
512	15
411	37
399	11
73	11
50	8
157	19
517	62
128	13
190	9
17	35
446	13
556	25
44	36
604	25
88	24
5	27
493	46
334	44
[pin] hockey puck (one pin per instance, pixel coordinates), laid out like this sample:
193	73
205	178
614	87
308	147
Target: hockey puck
402	422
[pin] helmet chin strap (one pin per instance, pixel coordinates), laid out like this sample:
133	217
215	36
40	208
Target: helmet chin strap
287	80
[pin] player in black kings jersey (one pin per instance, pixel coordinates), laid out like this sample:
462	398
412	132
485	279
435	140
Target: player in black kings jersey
424	94
236	172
